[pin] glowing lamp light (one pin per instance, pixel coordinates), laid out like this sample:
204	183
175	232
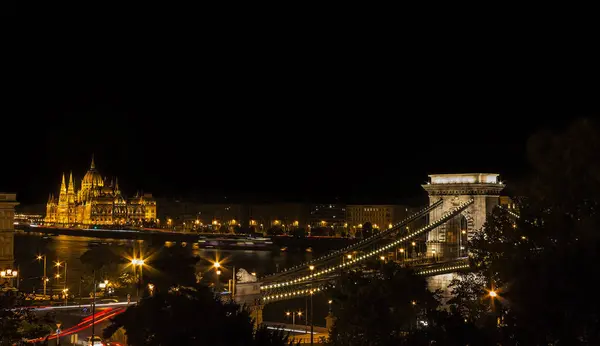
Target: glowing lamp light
137	261
311	267
217	265
493	294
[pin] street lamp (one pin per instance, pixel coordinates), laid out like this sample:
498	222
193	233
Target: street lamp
138	262
151	289
9	274
294	314
217	267
57	264
312	326
44	278
65	292
493	294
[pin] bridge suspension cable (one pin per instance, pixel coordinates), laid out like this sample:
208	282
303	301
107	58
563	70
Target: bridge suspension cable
510	212
291	293
362	243
444	218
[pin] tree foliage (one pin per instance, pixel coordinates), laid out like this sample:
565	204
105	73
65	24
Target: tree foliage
543	264
171	267
380	310
17	324
191	316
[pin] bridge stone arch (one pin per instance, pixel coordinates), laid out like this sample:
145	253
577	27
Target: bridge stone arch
453	189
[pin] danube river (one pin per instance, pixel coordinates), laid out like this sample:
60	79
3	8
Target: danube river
69	248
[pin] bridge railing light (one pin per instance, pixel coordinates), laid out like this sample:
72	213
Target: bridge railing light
429	227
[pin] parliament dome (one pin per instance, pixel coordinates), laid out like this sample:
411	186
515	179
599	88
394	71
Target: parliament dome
92	177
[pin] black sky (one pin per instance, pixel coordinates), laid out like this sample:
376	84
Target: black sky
280	124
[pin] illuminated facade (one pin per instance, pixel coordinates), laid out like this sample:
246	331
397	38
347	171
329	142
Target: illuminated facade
451	238
8	201
380	216
97	202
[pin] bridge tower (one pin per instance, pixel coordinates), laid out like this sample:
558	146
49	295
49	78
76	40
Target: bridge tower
450	239
8	201
248	294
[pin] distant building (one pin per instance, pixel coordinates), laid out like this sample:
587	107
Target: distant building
97	202
29	219
327	215
190	216
508	203
380	216
286	216
8	201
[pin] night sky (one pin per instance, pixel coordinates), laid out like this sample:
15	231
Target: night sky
308	128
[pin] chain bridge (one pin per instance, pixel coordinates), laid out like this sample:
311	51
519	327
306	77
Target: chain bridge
458	206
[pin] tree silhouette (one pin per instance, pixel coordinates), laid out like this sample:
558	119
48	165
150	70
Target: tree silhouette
367	230
17	324
171	267
191	316
541	263
380	310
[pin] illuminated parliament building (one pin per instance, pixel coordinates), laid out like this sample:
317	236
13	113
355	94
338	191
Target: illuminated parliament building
97	202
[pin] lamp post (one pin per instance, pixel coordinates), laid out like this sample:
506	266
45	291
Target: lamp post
151	289
93	303
312	325
461	242
65	289
9	274
233	280
293	314
217	267
65	292
44	278
138	262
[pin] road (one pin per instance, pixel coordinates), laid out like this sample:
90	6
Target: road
104	312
